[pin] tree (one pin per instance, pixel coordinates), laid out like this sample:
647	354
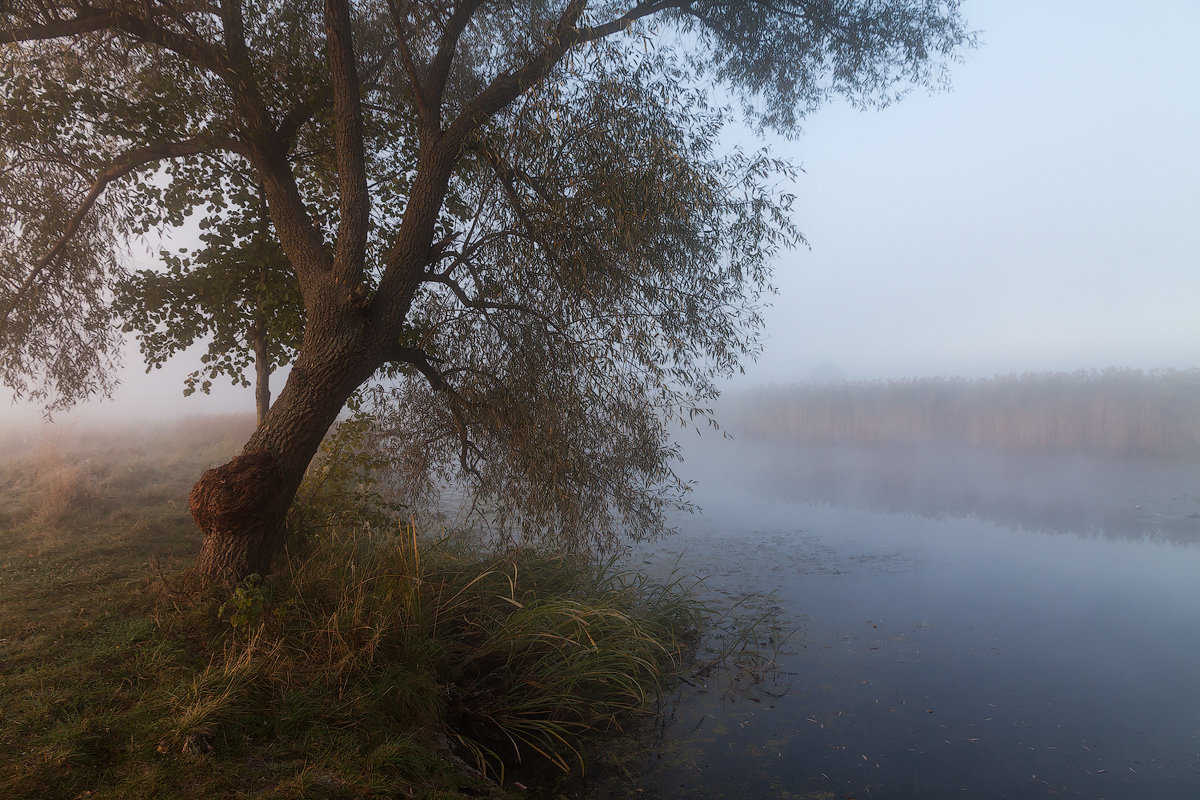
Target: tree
568	264
237	291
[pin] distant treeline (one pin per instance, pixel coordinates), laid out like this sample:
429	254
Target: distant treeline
1114	410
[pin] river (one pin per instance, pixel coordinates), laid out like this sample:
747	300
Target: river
961	625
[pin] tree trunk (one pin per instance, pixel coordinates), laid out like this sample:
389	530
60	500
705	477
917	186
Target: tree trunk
262	372
241	507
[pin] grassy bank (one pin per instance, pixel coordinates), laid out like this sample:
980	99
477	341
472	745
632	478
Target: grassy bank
376	663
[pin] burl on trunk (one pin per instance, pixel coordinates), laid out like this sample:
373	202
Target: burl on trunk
240	507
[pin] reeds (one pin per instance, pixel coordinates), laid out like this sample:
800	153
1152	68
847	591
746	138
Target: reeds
1113	411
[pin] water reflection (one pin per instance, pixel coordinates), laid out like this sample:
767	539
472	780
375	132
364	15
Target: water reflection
944	647
1129	497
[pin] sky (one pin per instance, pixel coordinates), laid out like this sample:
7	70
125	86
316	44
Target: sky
1043	214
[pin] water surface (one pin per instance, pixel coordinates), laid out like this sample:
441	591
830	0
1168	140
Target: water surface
964	626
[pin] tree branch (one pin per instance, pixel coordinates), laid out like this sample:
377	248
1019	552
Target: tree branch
304	111
631	16
118	169
425	112
298	235
409	255
439	67
508	86
353	200
240	74
119	20
299	116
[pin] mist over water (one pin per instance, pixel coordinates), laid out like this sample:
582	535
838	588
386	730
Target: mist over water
971	614
1130	497
966	624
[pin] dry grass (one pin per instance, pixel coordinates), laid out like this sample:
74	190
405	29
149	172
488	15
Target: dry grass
357	671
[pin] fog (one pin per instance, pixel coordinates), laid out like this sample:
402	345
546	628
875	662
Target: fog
989	586
1039	216
1137	498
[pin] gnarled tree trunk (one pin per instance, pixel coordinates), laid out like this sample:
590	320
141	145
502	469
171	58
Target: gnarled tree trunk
241	506
236	505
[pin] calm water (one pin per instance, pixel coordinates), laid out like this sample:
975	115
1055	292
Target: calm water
963	627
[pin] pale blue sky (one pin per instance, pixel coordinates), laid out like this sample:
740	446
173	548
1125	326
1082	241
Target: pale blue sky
1042	215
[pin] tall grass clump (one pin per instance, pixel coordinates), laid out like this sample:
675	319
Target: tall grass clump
375	662
510	657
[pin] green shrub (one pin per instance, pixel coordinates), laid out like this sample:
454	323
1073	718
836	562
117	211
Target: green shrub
345	486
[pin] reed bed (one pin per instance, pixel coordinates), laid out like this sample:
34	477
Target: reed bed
1119	411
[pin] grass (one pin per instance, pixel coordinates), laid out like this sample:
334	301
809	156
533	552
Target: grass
377	662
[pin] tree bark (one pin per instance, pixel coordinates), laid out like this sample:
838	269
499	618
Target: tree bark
237	507
241	507
262	372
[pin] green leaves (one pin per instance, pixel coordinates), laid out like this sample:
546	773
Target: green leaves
786	59
564	257
238	279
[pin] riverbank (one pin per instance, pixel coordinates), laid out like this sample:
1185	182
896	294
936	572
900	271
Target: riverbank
377	662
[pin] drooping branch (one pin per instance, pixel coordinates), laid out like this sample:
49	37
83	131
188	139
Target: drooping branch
119	168
92	19
423	363
508	178
480	304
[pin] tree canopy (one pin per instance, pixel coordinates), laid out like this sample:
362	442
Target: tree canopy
524	219
236	291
